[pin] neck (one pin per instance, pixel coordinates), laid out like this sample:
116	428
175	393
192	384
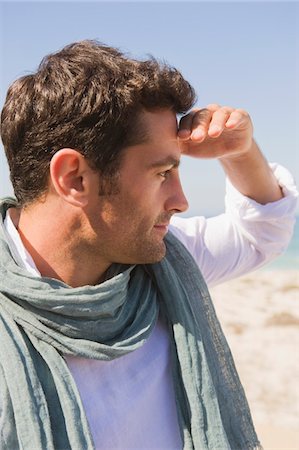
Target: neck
57	247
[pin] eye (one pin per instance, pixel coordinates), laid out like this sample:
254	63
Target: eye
164	174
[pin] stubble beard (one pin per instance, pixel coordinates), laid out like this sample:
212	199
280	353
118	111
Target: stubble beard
152	252
144	249
150	248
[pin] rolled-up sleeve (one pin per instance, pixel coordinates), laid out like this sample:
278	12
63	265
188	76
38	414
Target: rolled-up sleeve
243	238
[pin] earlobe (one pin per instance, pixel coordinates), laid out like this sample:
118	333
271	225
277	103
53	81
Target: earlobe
67	174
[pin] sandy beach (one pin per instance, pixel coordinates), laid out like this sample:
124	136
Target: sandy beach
260	317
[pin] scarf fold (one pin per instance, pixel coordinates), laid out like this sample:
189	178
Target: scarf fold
41	319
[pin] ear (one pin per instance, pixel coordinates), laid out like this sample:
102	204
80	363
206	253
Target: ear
70	176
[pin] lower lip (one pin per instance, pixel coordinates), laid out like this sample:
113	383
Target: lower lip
162	228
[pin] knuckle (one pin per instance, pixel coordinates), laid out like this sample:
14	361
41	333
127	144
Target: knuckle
227	109
202	116
213	106
184	121
242	112
204	112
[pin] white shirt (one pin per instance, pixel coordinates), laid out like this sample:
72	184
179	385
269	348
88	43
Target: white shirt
129	402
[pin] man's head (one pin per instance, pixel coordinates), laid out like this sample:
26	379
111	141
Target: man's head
87	97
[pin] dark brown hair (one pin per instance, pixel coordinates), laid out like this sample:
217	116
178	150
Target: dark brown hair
87	97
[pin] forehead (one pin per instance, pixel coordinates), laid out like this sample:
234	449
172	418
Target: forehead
159	122
160	128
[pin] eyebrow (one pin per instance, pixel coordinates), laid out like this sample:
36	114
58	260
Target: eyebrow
168	161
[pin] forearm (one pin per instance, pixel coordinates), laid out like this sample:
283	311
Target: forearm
251	175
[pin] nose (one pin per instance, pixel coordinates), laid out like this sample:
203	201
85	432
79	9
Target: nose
176	201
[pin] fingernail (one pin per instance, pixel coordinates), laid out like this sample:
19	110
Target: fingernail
198	134
214	129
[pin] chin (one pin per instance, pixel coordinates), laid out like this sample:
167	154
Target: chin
148	254
156	255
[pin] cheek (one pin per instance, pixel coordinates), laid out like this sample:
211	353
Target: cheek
137	220
133	209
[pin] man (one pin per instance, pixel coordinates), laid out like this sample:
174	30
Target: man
108	335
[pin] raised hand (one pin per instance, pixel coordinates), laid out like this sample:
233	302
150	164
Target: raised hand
215	132
226	133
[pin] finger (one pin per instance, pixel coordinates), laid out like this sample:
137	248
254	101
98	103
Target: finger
213	107
200	124
185	125
219	120
201	121
238	118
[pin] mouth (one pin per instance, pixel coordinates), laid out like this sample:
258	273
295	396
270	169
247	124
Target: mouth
163	228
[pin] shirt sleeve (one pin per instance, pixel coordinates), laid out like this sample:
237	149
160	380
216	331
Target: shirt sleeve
245	237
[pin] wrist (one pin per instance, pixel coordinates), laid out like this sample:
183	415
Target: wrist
242	154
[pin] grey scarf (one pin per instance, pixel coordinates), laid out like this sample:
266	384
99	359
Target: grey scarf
42	319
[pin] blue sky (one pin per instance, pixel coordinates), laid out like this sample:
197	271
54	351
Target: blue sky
243	54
